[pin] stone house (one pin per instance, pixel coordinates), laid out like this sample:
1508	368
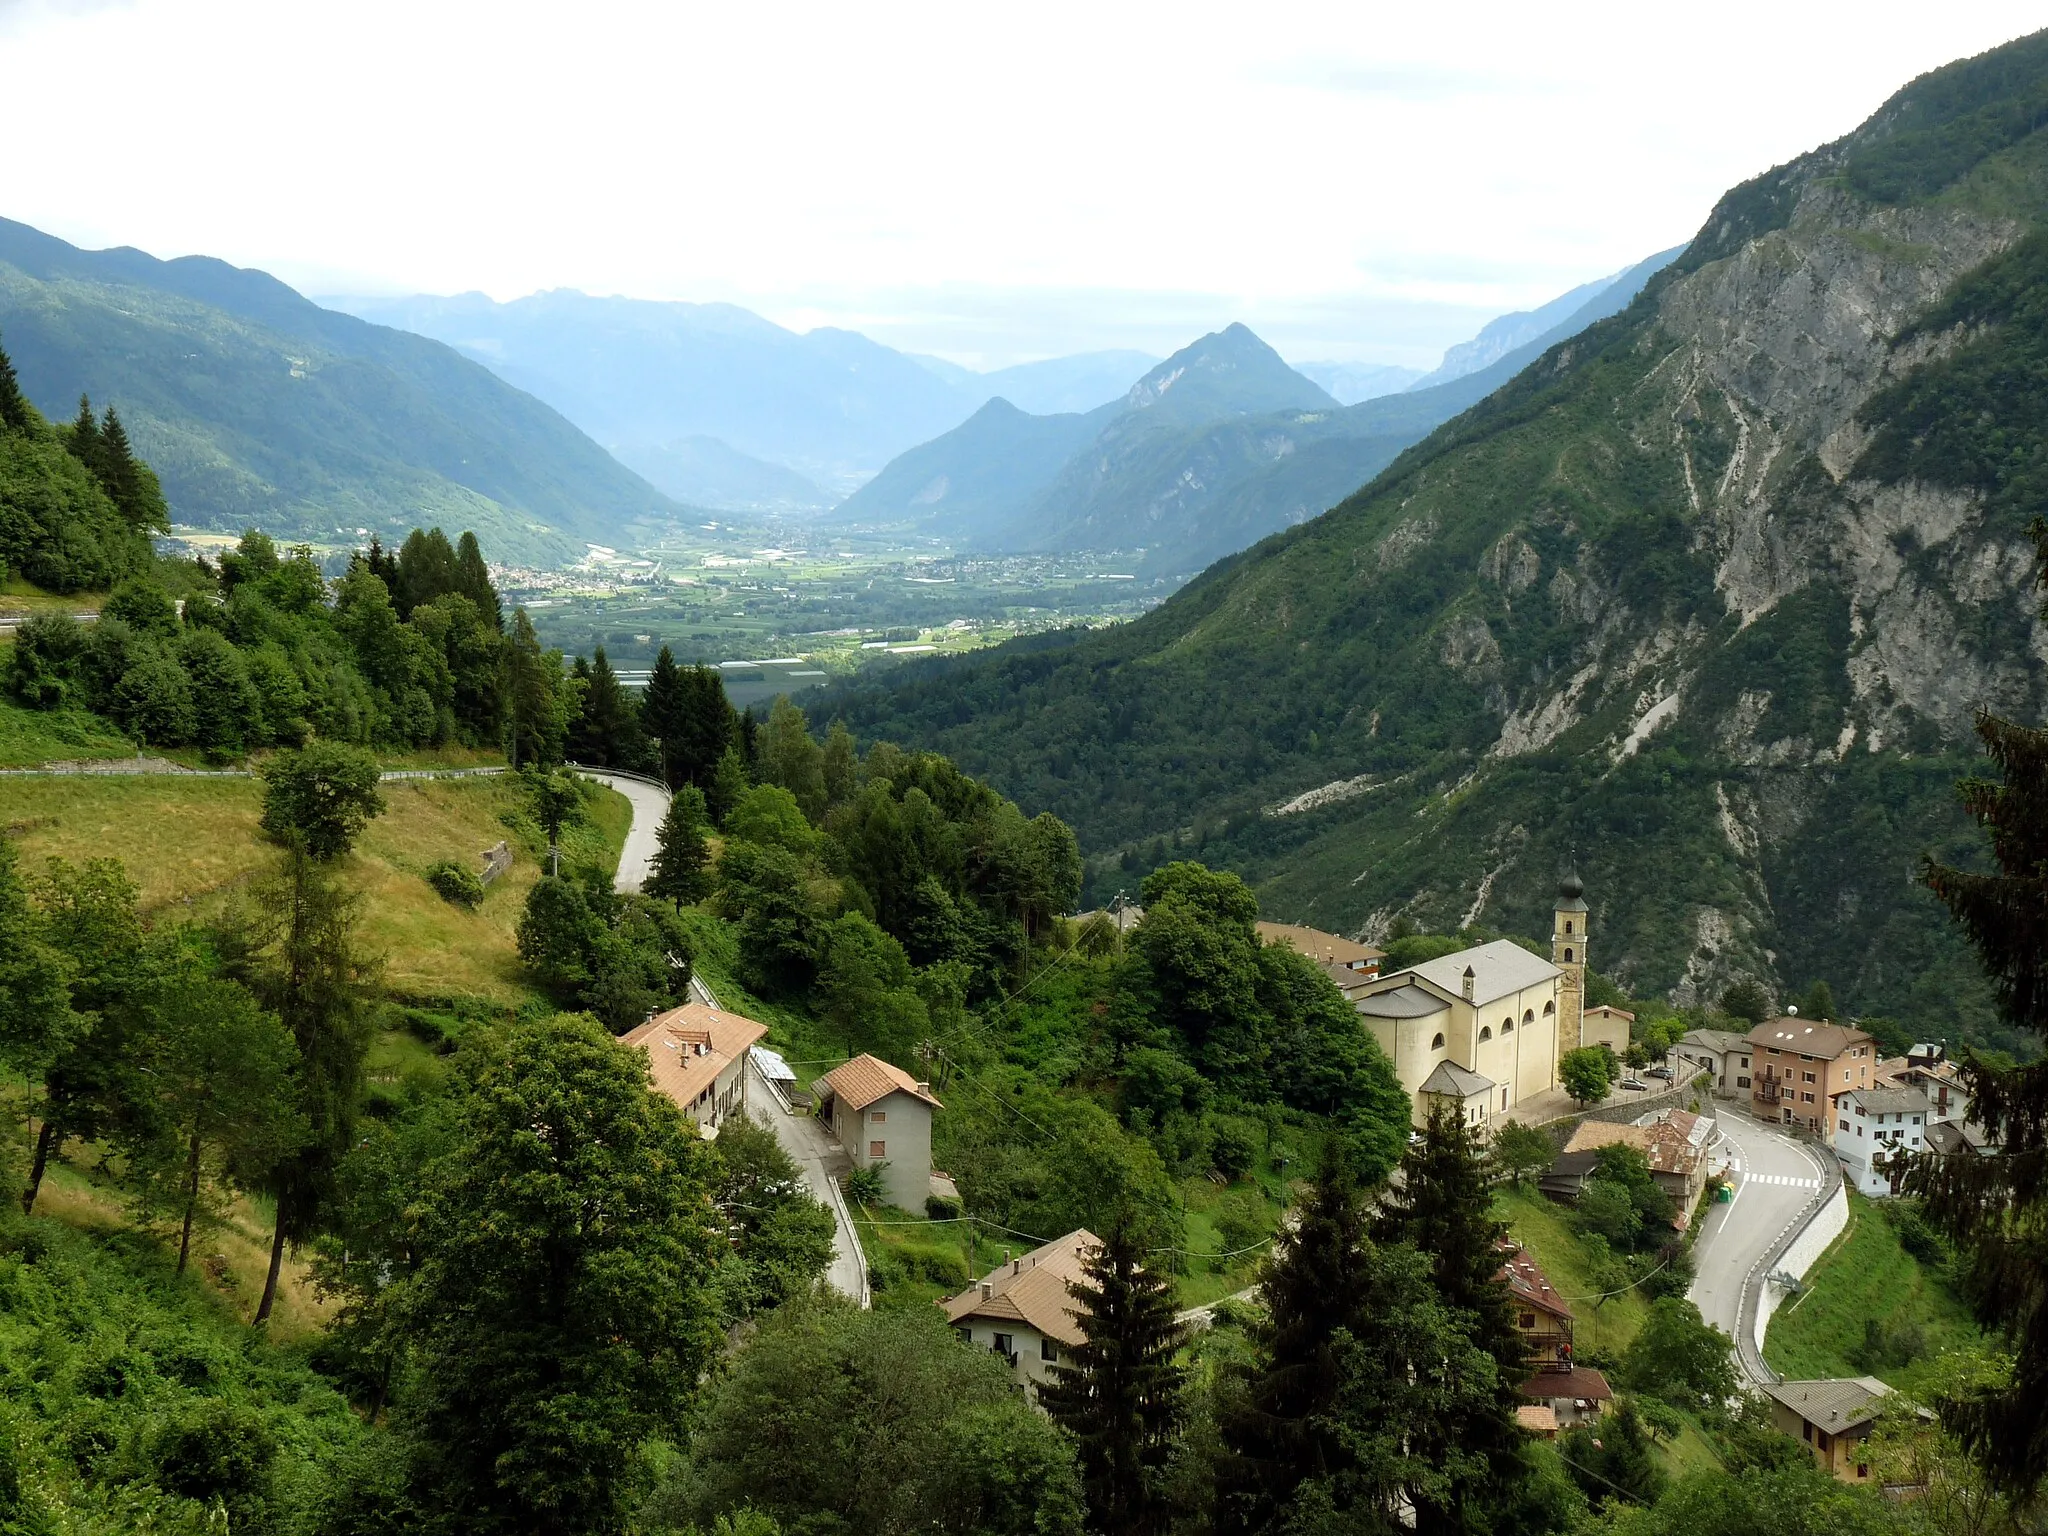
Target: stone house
1024	1311
1673	1143
1725	1056
882	1116
697	1056
1801	1065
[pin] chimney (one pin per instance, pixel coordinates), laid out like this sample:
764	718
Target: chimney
986	1288
924	1088
1468	983
1017	1267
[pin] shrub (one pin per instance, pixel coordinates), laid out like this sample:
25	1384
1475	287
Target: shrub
457	883
939	1208
864	1185
1232	1151
215	1450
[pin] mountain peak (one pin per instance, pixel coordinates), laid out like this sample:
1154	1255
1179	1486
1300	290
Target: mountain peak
1230	372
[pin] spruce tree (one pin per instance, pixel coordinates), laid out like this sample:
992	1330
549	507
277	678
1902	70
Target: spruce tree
610	719
14	407
707	724
681	869
84	440
1995	1208
473	579
1279	1430
662	713
130	483
728	784
1119	1392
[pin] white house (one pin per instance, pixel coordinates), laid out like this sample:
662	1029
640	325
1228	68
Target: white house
1871	1123
883	1117
1024	1311
1724	1054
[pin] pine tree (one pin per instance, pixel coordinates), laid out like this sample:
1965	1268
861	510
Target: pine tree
537	697
662	713
610	720
708	724
130	483
84	441
15	414
681	869
1119	1393
1995	1207
728	784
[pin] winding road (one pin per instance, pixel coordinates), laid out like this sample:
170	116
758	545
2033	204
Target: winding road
1776	1179
650	805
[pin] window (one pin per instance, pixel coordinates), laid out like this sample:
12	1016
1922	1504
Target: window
1528	1015
966	1334
1047	1350
1806	1098
881	1148
1742	1082
1806	1077
1437	1044
1805	1429
1567	925
1549	1009
1528	1319
1821	1439
880	1117
1567	957
1841	1125
1485	1034
1507	1026
1745	1061
1004	1345
1863	1469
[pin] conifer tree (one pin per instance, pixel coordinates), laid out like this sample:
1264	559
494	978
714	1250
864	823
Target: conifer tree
662	713
608	724
1119	1392
130	483
474	581
537	697
84	441
708	724
1995	1208
682	863
14	406
729	783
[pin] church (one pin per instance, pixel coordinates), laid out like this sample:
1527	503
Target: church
1480	1031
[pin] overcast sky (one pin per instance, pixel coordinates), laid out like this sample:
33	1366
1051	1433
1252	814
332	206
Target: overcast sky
991	182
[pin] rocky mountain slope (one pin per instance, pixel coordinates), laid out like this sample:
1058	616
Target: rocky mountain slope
258	407
1705	598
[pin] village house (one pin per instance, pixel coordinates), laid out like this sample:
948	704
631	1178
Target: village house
1575	1395
1873	1123
1480	1031
1674	1143
1833	1417
1725	1056
882	1116
1340	957
1607	1026
697	1056
1927	1068
1023	1310
1801	1064
1543	1318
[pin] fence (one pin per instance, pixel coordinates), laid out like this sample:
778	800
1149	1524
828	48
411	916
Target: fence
621	773
1677	1096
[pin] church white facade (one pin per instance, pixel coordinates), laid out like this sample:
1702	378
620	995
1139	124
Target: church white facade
1480	1031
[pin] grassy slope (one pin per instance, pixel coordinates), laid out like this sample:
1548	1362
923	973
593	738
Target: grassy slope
1545	1230
188	842
1865	1274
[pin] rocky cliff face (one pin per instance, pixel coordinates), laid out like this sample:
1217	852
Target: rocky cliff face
1707	598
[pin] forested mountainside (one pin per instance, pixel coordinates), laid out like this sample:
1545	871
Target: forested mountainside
1251	452
257	407
1706	598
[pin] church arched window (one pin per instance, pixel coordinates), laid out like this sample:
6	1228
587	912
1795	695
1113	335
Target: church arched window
1567	925
1549	1009
1437	1044
1528	1015
1485	1035
1507	1026
1567	957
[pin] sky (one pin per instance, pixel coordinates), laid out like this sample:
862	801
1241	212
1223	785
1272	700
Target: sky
991	182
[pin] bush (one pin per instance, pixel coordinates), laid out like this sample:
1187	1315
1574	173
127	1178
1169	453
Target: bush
215	1450
1232	1151
864	1185
939	1208
457	883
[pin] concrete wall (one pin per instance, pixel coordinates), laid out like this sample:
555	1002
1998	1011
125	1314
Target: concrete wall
1677	1096
1799	1255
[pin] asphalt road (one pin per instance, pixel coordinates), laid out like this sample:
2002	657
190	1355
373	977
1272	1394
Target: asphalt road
818	1155
650	804
1775	1177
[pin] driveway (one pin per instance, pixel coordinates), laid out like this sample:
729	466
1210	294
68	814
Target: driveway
1775	1177
650	805
820	1157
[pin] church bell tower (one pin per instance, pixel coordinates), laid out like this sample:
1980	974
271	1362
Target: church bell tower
1568	954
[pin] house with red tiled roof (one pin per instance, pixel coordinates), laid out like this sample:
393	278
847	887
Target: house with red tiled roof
697	1056
882	1116
1024	1310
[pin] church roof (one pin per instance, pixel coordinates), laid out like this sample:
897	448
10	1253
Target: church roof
1497	969
1408	1002
1454	1081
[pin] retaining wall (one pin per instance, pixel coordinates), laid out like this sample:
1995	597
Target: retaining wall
1806	1245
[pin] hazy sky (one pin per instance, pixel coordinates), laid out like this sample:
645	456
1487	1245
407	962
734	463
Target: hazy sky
989	182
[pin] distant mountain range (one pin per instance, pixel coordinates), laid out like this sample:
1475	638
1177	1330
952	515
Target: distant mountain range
1211	451
716	405
1349	383
258	407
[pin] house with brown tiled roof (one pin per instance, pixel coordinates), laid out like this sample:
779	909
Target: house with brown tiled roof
883	1117
1673	1143
1833	1416
1801	1064
1327	949
1024	1310
1573	1395
697	1056
1543	1318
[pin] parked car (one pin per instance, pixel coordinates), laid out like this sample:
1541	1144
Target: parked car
1632	1085
1663	1072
